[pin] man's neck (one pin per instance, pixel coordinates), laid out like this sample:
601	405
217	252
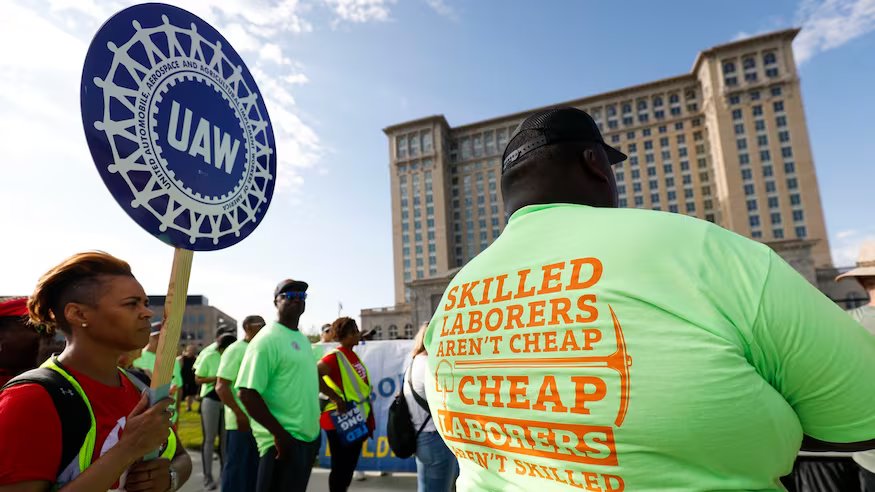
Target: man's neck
291	324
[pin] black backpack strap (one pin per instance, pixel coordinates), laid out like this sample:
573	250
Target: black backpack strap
72	411
419	400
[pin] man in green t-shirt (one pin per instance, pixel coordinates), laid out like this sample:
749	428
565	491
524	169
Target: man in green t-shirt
211	406
623	349
864	273
146	362
241	460
279	387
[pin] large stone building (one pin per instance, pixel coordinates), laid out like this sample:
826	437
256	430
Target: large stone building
726	142
200	321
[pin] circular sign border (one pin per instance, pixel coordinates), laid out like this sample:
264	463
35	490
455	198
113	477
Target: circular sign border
247	203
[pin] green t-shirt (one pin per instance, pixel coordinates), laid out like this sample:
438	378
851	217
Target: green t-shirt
639	350
229	367
146	361
208	368
203	354
280	366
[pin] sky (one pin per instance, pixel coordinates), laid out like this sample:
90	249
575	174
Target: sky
334	73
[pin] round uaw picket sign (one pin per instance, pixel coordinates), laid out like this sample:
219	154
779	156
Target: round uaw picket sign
177	127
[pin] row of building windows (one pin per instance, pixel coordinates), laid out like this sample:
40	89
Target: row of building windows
413	167
487	143
749	69
392	332
771	187
755	95
413	144
688	207
641	104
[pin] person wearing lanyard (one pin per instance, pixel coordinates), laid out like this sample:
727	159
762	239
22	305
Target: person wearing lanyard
344	378
102	310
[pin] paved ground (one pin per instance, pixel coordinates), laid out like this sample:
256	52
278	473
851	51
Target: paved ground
318	480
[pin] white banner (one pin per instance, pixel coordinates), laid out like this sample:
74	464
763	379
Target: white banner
386	362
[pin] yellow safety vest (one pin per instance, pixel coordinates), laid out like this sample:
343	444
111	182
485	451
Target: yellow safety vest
86	452
354	387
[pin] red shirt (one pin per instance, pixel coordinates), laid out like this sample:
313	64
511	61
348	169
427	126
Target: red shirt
31	428
334	374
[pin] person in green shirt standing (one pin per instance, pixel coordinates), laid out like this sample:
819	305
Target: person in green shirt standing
605	348
279	387
241	460
146	362
211	407
864	273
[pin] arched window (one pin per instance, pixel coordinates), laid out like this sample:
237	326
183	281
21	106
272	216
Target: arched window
393	332
378	332
408	331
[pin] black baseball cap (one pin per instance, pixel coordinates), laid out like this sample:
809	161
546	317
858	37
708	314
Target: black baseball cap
289	285
563	124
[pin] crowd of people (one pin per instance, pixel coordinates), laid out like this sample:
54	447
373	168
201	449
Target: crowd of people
719	360
266	396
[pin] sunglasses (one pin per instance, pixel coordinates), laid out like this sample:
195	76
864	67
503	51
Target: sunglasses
293	296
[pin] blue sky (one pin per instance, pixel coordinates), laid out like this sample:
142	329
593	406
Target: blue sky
335	72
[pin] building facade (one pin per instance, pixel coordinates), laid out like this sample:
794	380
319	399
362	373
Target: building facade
200	321
726	142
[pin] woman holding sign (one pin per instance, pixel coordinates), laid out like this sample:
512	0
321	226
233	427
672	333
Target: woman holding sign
102	412
347	419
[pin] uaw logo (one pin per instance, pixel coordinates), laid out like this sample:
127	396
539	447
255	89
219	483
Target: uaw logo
177	127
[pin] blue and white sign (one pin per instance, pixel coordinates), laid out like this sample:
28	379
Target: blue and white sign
177	127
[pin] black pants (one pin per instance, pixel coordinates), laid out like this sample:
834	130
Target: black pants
867	480
823	474
344	459
291	472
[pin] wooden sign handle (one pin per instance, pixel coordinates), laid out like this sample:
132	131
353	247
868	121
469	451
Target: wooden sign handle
174	309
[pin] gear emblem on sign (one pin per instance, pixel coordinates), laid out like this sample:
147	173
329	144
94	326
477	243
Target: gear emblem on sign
186	131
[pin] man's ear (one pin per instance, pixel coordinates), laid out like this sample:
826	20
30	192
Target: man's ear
592	164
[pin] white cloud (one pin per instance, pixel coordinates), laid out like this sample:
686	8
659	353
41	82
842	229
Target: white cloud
847	234
39	98
845	246
273	53
296	79
829	24
360	10
441	7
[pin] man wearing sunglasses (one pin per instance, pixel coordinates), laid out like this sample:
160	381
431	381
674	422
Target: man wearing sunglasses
279	387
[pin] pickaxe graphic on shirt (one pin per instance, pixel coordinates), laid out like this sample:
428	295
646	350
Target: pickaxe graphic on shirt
619	361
